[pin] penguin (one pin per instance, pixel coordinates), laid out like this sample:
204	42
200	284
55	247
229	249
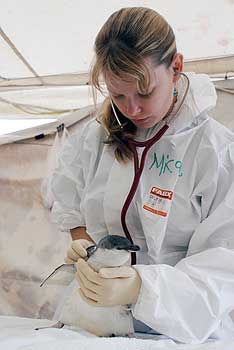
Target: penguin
111	251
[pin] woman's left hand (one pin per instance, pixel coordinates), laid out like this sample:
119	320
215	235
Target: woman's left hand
111	286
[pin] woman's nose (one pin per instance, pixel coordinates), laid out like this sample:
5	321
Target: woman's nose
133	108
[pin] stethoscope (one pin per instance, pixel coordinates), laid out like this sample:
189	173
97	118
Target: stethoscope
139	164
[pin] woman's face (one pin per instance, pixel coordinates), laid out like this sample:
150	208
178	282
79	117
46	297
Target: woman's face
147	110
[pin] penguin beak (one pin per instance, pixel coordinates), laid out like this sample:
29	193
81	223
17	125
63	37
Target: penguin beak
133	248
90	250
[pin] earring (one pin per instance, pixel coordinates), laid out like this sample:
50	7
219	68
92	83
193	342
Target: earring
175	92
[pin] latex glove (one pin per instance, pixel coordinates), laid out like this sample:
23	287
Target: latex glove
111	286
77	250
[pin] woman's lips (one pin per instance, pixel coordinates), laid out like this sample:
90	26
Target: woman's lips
140	119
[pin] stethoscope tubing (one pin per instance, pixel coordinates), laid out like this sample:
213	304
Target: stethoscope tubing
138	169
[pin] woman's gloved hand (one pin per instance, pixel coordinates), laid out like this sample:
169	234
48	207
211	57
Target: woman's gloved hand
111	286
77	250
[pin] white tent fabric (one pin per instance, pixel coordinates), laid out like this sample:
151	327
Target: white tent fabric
37	129
55	37
55	105
43	31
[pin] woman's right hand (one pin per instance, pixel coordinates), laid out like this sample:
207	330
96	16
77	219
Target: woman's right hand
77	250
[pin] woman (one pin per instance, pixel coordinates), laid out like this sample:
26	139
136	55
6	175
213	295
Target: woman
157	169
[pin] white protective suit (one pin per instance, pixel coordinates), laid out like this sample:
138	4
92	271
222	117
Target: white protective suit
182	215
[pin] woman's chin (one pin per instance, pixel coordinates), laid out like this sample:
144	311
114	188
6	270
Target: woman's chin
146	123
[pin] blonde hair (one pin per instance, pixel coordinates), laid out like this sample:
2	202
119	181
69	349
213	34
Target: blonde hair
125	40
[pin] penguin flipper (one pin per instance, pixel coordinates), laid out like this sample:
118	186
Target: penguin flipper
55	325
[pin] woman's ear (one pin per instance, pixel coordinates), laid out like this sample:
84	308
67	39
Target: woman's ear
177	66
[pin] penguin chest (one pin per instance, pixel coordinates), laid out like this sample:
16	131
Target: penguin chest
101	321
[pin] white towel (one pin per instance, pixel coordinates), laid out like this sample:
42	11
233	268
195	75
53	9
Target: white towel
19	334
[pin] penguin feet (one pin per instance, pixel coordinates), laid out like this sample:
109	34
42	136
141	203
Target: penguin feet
56	325
128	335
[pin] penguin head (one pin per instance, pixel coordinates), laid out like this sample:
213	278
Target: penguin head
112	250
118	243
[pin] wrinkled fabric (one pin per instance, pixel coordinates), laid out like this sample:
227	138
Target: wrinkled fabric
182	214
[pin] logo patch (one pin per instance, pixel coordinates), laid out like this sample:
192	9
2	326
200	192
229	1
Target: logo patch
157	201
162	193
